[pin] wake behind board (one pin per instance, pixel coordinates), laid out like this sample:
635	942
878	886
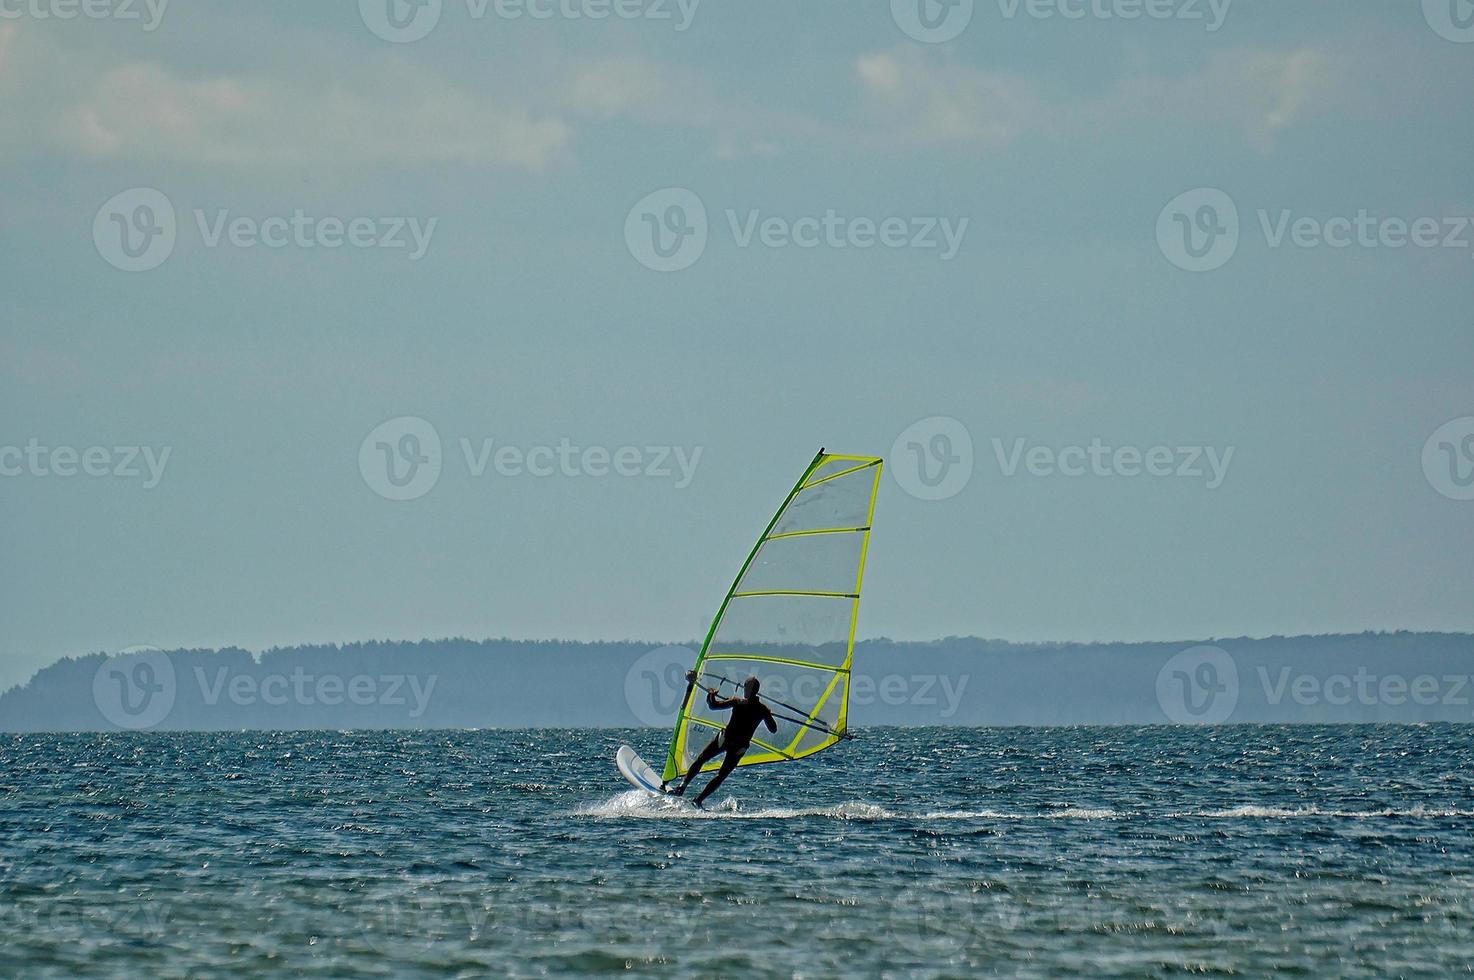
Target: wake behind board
637	771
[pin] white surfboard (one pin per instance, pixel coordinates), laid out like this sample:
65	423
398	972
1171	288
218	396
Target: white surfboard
637	771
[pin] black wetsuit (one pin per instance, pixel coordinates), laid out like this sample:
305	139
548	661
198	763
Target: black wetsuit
747	714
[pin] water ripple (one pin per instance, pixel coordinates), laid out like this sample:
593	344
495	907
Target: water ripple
1119	852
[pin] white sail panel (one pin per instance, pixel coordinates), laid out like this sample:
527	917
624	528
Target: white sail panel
805	563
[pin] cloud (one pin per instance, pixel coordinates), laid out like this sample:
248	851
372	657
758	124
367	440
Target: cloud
87	100
1258	93
913	98
942	103
926	101
633	89
623	86
7	42
384	114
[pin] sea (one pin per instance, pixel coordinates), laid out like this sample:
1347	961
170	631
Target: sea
946	852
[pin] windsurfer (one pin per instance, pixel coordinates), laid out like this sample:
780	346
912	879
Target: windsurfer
747	713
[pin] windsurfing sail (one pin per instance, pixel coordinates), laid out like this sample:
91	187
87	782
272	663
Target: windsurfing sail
789	620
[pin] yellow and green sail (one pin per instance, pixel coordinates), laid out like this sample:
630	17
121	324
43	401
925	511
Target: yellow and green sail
789	620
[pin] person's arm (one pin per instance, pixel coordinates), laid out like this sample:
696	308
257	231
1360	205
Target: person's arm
768	719
711	695
716	705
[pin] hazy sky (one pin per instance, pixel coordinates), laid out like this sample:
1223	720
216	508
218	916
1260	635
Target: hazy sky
1033	292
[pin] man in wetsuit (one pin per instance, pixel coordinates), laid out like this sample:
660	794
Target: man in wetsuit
747	713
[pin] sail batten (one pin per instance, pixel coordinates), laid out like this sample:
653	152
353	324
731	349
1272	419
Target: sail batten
817	595
789	619
775	660
822	530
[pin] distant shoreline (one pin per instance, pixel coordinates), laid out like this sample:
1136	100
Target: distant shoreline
1401	677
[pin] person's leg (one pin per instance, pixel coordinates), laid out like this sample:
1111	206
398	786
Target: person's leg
734	756
707	754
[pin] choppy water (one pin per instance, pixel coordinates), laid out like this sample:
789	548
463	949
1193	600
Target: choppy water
934	851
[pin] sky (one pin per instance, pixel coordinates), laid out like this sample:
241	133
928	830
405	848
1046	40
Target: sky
337	321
